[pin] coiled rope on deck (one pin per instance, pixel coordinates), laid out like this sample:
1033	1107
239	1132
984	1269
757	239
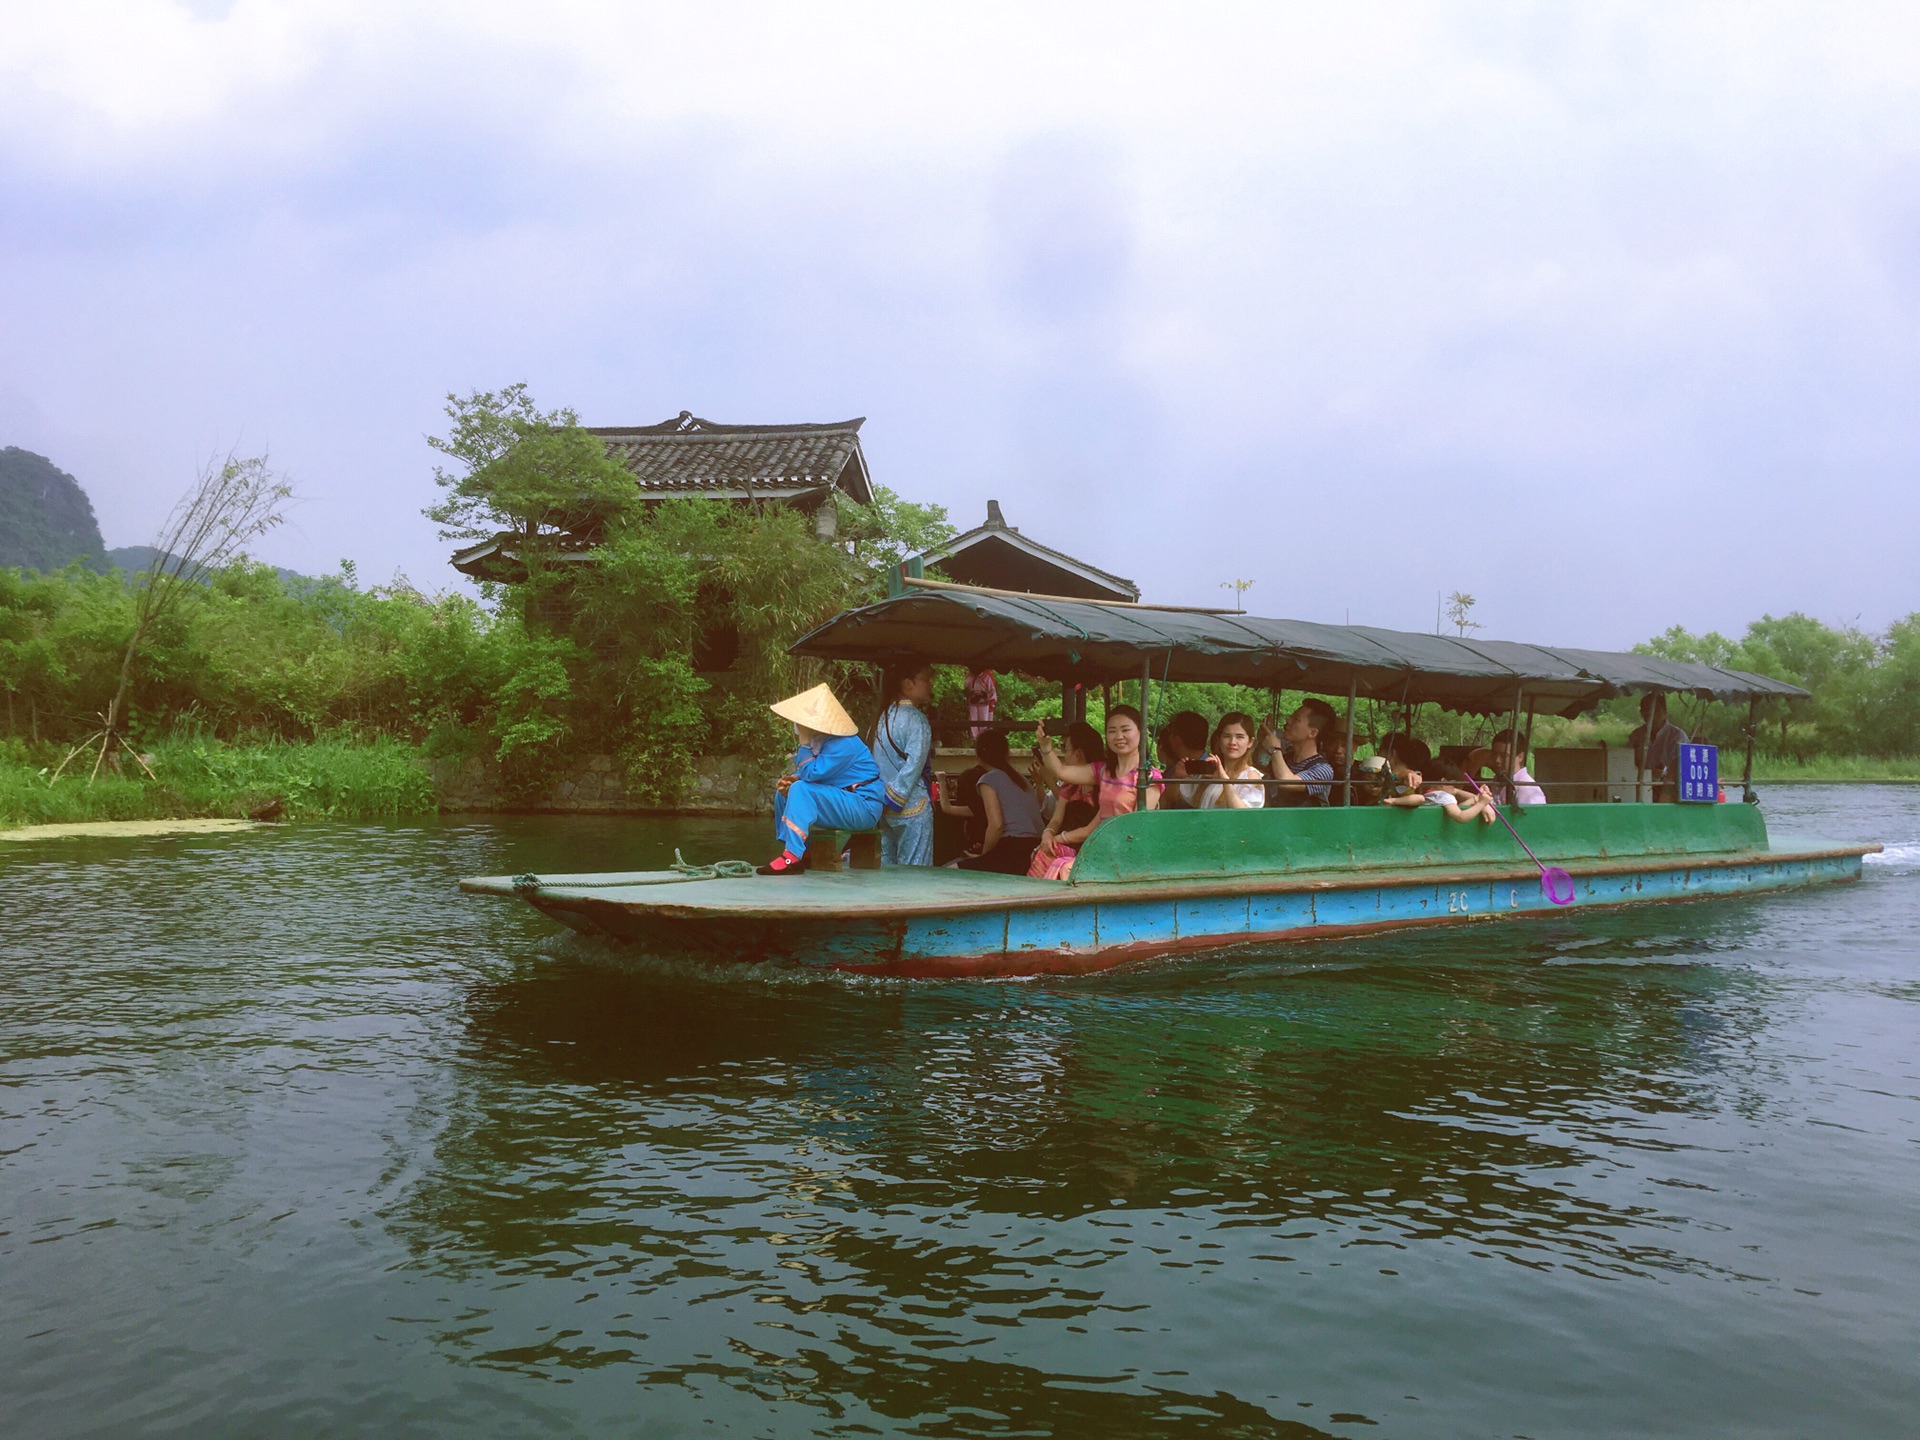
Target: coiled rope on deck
718	870
682	870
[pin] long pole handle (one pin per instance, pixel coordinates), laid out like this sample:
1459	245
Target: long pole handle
1500	815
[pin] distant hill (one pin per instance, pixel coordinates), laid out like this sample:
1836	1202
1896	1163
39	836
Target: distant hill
134	558
131	558
46	519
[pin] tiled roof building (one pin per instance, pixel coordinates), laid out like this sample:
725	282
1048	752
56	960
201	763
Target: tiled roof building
797	465
689	455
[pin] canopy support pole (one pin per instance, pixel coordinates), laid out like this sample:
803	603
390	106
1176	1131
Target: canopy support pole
1513	750
1753	725
1639	757
1146	740
1346	750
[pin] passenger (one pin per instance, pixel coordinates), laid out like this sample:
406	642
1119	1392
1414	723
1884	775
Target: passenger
1660	755
1367	774
1507	758
1232	759
1183	753
833	781
1295	754
1013	823
1373	779
903	749
1115	777
1070	810
983	699
1408	760
959	796
1445	775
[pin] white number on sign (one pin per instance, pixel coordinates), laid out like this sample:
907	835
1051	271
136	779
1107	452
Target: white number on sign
1456	902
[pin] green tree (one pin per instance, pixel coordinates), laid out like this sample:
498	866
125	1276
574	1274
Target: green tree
517	469
1892	726
880	536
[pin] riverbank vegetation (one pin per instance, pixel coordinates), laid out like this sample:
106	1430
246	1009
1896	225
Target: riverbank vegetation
375	778
659	640
338	698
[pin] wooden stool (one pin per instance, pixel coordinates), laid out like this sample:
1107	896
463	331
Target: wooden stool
825	846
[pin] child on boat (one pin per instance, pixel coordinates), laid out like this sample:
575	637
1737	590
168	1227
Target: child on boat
833	782
1407	759
1116	777
1071	811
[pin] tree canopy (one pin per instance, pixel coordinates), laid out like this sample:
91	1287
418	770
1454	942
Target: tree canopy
521	469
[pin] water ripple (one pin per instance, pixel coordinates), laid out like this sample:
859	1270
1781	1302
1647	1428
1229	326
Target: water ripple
294	1138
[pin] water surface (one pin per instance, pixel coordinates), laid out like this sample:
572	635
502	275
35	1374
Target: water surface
295	1139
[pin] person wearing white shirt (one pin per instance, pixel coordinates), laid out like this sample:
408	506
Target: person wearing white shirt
1232	759
1506	756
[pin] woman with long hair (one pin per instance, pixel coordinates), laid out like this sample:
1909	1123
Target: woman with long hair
1232	759
1115	777
1012	812
903	749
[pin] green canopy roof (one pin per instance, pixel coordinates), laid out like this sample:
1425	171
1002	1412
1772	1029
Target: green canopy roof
1074	639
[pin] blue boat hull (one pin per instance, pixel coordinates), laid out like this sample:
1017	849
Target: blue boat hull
1093	927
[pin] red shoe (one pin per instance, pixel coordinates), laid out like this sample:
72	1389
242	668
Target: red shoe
785	863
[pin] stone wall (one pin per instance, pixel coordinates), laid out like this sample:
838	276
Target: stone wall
720	785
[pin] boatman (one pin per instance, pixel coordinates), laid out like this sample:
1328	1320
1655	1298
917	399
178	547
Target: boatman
833	782
1656	746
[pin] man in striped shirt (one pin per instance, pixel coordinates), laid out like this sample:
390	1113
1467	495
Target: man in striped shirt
1295	755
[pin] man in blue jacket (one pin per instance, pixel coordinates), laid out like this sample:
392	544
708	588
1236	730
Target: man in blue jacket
833	782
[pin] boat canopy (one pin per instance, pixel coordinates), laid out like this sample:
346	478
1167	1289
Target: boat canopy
1092	643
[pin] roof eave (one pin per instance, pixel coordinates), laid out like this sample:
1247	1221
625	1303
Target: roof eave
1089	573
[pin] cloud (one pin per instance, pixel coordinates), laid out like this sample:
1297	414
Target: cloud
1607	314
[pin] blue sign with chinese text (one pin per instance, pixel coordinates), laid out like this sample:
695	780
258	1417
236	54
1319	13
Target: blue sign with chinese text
1700	774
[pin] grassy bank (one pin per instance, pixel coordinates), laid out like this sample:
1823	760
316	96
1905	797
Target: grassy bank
322	779
1826	767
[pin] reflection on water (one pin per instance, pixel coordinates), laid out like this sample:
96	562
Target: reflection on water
294	1138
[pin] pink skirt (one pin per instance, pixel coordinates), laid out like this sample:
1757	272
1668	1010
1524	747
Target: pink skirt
1057	866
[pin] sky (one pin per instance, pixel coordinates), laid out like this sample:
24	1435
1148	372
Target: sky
1607	315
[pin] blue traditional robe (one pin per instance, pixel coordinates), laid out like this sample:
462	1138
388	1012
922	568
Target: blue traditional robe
837	785
903	749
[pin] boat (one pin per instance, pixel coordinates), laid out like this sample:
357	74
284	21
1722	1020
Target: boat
1170	882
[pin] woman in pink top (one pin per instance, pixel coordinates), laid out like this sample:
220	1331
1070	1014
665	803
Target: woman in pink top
1116	776
983	699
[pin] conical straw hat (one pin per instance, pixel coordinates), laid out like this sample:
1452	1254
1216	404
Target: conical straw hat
818	711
